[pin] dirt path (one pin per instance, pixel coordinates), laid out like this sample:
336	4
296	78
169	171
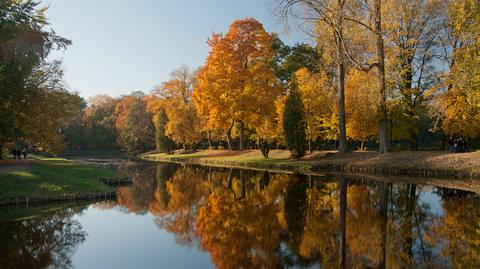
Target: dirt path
15	165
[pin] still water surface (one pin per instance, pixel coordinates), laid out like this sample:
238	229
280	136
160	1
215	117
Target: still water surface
176	216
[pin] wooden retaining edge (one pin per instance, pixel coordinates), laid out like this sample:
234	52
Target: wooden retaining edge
116	181
469	185
312	169
24	200
415	172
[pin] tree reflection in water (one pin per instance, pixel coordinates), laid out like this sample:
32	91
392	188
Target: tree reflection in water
47	241
249	219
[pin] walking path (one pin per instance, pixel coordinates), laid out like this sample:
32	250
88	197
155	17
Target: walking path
15	165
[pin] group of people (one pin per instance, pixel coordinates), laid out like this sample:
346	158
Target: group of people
459	145
17	153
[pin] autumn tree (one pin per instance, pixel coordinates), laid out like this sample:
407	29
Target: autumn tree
361	107
184	126
237	84
134	123
364	21
287	61
460	100
413	32
318	103
329	15
24	47
49	107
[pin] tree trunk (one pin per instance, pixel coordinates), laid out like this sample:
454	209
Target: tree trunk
382	96
413	140
343	147
242	178
310	146
407	220
184	146
1	150
229	179
391	133
229	135
242	136
229	140
343	221
383	223
361	146
209	137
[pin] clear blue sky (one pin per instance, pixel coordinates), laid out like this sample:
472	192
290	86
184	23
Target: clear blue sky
120	46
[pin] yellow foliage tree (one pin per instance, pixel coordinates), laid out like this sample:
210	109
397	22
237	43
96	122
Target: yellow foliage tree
461	101
361	106
184	126
318	100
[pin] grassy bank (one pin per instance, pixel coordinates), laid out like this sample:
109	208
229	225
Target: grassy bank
40	177
421	163
96	154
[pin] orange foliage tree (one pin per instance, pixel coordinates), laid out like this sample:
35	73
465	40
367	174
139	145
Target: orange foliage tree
237	82
134	123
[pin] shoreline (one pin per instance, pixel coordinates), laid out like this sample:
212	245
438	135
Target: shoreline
345	165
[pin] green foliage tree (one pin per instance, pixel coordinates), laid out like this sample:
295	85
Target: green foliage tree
290	59
162	142
294	123
99	122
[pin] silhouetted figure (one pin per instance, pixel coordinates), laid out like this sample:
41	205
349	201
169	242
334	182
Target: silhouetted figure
456	147
460	145
18	153
24	153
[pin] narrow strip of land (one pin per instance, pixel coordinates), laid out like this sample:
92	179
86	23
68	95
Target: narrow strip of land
420	163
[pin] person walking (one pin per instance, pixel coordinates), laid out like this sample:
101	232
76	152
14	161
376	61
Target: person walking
18	154
24	153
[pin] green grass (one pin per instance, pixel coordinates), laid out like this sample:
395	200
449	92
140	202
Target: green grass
52	176
237	157
96	154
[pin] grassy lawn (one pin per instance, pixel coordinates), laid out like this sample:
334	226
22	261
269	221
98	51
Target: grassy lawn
95	154
40	176
434	160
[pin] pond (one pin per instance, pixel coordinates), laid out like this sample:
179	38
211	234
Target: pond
176	216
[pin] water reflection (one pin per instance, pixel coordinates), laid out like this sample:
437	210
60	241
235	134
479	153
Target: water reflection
256	219
40	242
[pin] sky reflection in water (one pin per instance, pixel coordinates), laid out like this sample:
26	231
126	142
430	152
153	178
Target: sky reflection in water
176	216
